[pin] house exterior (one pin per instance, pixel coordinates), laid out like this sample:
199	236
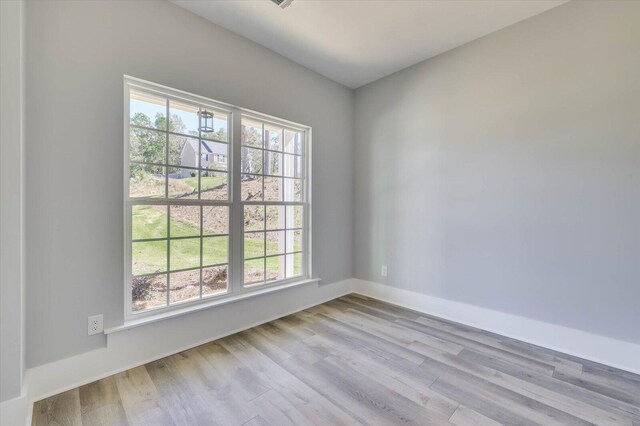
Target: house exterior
213	156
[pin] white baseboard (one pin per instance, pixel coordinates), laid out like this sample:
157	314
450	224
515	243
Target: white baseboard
140	345
14	412
601	349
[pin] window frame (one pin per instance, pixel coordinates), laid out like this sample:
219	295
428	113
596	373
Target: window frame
235	249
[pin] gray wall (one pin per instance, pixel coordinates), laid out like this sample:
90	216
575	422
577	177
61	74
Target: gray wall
506	173
11	193
76	55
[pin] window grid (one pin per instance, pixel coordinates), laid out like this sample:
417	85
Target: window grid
201	235
278	154
168	199
286	151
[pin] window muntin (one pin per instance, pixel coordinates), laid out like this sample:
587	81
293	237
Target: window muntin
182	221
272	188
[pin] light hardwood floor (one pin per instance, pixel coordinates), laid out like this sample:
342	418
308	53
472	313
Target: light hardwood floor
356	360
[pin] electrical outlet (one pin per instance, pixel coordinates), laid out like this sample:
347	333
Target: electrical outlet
383	270
95	325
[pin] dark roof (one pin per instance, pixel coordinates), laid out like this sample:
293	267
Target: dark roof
209	147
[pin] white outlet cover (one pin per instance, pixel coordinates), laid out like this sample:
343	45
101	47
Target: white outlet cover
383	270
95	325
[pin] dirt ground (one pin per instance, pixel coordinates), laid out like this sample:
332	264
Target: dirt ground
215	218
151	291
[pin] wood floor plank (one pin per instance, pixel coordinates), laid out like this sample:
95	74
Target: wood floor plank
449	386
613	380
217	397
174	391
539	388
465	416
358	395
363	338
264	345
356	360
61	409
140	398
610	372
510	400
275	409
391	331
294	326
232	373
632	398
529	364
100	404
384	364
316	408
411	386
287	341
500	342
256	421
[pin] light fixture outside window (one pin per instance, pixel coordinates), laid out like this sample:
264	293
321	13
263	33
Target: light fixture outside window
206	121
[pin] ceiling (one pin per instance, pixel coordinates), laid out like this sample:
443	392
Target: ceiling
355	42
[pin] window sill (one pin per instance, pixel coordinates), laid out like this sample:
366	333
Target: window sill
133	323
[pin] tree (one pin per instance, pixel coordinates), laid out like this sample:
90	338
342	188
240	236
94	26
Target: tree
146	146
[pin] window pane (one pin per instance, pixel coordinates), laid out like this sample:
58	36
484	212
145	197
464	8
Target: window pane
220	127
275	268
169	157
185	221
148	292
292	142
273	189
251	188
147	110
214	280
184	285
215	250
294	241
214	185
273	163
251	160
292	189
273	137
253	218
275	217
253	245
147	146
275	242
292	166
183	118
185	253
148	222
254	271
148	257
146	181
294	265
183	151
251	133
183	183
213	155
294	217
215	220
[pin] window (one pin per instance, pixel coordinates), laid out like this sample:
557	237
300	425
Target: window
198	226
272	195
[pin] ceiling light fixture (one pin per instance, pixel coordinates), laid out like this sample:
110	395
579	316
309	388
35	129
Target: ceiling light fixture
282	3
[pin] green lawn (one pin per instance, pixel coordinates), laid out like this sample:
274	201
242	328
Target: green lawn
149	257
